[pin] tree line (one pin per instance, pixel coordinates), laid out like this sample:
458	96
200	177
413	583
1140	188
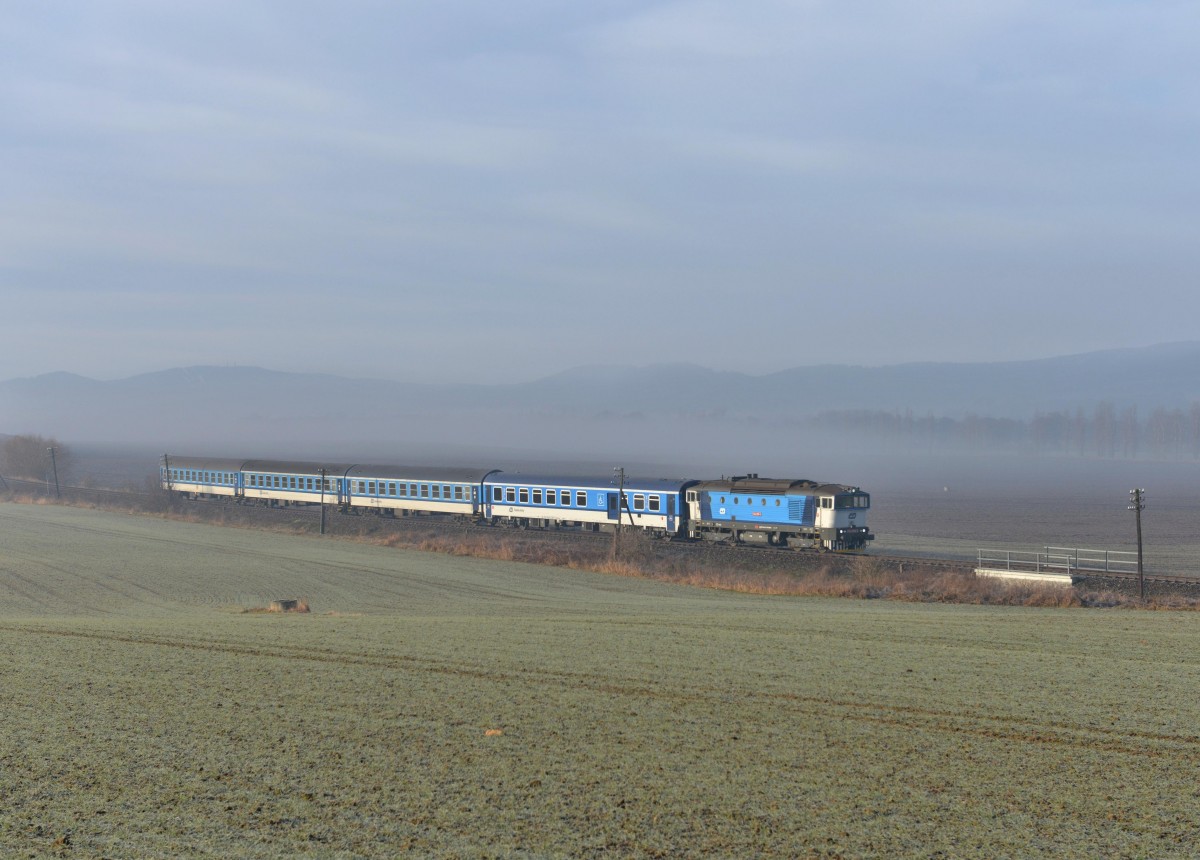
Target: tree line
29	456
1105	431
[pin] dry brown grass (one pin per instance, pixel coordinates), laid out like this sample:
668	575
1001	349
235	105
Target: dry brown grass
861	578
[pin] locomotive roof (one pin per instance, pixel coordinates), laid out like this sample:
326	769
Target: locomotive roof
755	484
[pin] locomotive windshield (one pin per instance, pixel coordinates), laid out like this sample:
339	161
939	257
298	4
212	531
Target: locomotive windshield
858	500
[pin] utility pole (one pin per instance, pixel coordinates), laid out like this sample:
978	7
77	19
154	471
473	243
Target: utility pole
1137	501
619	471
54	466
322	501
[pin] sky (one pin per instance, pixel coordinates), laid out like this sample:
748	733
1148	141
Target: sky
481	191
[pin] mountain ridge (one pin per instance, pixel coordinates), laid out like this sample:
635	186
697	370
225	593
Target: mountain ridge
206	401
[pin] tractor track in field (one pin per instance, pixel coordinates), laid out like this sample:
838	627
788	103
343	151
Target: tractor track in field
1000	727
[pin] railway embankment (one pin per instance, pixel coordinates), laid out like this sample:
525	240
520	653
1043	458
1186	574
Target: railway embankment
751	569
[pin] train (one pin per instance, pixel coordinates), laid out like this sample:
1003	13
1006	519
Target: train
799	514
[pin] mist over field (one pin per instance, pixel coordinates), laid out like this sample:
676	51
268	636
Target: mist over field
1117	404
948	473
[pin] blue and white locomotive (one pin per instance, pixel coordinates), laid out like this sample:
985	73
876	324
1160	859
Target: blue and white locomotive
796	513
779	512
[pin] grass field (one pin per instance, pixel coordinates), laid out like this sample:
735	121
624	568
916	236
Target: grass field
147	716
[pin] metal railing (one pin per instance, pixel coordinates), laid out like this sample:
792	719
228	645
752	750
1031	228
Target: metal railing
1060	560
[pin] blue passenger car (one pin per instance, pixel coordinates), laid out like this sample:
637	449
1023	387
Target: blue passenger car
590	502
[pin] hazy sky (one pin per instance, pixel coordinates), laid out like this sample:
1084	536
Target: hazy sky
499	190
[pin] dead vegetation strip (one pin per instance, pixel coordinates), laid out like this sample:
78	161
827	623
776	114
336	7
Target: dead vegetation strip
911	717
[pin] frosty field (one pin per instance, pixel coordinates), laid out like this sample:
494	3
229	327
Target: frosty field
147	716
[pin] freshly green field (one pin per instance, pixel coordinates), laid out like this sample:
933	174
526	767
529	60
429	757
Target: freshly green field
146	716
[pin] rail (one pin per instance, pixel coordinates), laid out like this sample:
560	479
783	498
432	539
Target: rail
1053	559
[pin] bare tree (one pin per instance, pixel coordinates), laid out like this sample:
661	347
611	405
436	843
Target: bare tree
28	456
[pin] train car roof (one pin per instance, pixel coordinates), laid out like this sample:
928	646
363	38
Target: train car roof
212	464
296	467
458	474
594	482
455	474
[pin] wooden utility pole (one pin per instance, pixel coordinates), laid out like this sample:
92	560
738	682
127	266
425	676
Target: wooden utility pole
1137	501
54	466
619	471
323	501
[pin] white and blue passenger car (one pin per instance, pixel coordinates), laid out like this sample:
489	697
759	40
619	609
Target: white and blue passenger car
202	476
382	488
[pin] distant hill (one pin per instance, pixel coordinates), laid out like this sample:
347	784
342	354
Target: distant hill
253	409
